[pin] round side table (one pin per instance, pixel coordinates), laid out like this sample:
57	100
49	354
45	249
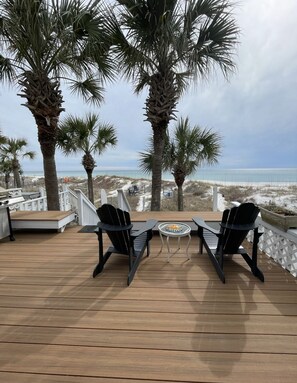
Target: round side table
174	230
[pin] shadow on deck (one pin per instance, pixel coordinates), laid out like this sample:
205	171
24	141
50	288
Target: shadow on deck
176	323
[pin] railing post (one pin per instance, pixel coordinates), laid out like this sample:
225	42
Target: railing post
122	201
103	196
86	211
79	206
42	192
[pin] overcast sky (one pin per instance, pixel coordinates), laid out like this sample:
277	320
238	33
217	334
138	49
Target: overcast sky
255	111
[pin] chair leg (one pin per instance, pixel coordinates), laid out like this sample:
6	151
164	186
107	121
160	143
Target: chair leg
102	258
218	266
258	273
148	248
253	265
200	236
252	262
133	266
99	267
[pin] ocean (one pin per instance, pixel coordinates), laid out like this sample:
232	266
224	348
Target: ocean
267	176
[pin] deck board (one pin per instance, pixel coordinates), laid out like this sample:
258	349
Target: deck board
176	323
160	365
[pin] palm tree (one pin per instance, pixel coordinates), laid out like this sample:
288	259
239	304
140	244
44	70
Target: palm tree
10	152
166	45
88	136
2	138
6	169
184	153
44	43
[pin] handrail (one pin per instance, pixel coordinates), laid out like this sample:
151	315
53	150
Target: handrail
36	204
123	203
86	211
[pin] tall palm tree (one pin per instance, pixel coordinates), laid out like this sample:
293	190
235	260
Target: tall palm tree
44	43
11	151
2	138
184	153
88	136
166	45
6	169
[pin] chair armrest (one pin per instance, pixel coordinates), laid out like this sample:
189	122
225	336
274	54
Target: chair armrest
252	226
148	225
200	222
106	227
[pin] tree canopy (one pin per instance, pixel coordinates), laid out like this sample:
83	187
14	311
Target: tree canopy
166	46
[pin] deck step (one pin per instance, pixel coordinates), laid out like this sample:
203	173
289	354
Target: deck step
56	220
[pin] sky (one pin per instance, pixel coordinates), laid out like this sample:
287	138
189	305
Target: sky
255	111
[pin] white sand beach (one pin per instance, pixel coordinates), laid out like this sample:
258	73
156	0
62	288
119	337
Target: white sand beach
198	195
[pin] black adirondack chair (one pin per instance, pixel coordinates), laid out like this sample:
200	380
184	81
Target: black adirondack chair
234	227
117	225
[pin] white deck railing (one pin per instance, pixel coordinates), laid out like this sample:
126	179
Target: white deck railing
279	245
123	203
40	203
86	211
72	200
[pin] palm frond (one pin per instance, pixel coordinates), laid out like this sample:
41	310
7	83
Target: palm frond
86	134
106	137
146	162
69	38
90	89
7	70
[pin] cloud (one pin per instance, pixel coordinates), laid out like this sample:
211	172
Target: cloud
255	111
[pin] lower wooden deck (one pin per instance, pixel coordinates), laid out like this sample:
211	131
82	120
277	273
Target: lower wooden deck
56	220
176	323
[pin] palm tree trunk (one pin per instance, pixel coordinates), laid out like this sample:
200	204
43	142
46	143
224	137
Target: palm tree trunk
47	141
180	198
90	185
46	111
160	105
17	178
51	181
7	179
179	178
159	141
16	173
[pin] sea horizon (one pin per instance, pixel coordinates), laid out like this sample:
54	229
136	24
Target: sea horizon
246	176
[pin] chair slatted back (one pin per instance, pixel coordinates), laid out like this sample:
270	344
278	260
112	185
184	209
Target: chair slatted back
235	225
110	215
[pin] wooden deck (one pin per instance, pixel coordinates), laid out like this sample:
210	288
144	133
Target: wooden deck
56	220
176	323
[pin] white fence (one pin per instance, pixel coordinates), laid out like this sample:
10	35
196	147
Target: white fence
40	203
279	245
86	211
72	200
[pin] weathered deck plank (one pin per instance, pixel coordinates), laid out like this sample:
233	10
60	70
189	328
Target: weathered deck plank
176	322
158	365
